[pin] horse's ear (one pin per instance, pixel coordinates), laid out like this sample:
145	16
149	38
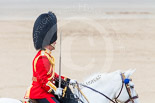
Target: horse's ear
129	73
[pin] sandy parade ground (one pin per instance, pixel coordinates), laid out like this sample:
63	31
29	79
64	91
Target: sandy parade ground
90	45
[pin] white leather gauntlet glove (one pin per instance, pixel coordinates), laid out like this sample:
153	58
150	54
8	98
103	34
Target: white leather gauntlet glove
58	91
72	82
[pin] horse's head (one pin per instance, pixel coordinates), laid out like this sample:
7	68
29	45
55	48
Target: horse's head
127	93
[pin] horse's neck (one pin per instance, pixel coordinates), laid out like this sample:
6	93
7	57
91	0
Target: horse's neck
107	84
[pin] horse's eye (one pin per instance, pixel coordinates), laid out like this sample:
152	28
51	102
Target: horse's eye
131	86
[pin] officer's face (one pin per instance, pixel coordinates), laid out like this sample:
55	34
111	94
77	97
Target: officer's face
51	47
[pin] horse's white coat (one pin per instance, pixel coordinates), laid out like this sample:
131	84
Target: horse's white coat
107	83
9	100
110	85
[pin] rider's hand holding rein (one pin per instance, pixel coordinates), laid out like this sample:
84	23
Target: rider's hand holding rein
72	82
58	92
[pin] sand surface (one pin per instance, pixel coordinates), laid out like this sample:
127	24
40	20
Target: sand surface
89	46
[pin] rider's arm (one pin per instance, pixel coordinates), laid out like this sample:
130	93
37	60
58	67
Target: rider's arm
42	68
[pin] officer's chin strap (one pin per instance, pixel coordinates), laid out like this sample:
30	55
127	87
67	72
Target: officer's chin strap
53	45
60	65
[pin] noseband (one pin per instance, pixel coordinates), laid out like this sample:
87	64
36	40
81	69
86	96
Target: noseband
116	101
127	88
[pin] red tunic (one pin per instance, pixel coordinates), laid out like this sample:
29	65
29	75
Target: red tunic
43	77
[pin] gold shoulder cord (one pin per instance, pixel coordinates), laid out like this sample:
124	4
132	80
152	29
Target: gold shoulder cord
51	60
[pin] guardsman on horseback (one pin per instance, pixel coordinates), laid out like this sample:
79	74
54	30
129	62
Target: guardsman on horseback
44	88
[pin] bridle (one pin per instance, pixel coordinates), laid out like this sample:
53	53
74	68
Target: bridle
127	86
124	82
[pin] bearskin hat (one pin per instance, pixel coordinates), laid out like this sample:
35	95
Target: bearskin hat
45	30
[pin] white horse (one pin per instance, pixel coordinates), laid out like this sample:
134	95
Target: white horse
109	84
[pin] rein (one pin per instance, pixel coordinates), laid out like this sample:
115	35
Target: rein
126	85
98	92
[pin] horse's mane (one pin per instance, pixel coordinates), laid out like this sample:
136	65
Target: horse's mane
92	76
98	76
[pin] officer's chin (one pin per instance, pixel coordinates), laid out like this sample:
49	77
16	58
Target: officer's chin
53	47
